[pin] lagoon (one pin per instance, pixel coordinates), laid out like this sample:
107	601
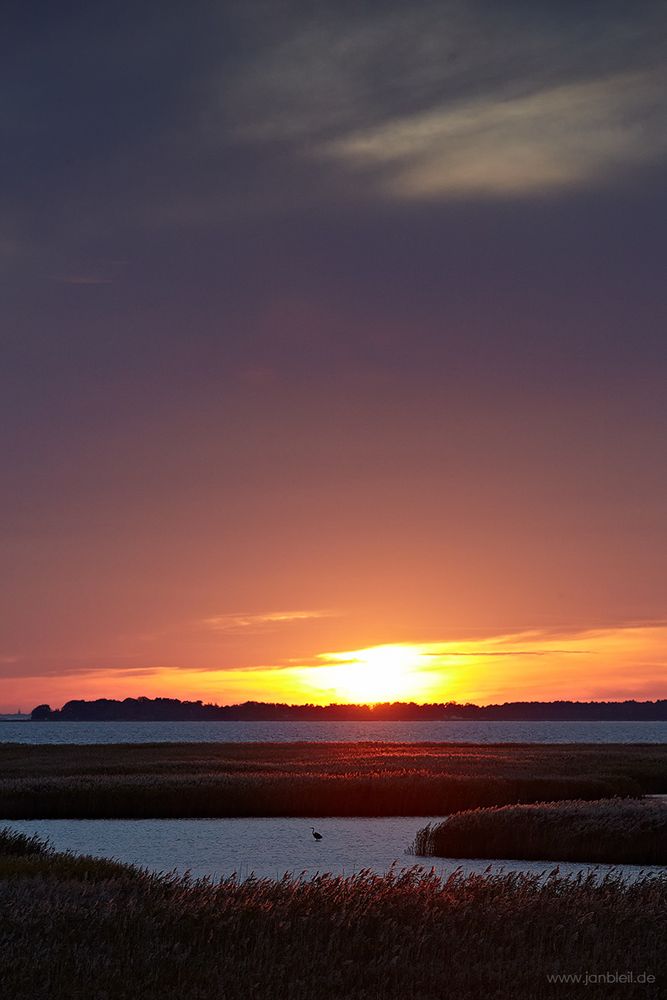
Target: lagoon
271	847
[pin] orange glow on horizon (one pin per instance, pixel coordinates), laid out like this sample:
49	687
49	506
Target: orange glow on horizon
594	664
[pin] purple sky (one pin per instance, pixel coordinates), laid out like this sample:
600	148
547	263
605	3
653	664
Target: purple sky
349	312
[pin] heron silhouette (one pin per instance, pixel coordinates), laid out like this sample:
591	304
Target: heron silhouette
316	835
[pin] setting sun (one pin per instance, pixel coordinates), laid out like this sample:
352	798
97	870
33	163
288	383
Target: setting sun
379	673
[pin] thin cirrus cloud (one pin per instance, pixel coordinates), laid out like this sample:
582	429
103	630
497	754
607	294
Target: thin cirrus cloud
82	279
471	101
237	623
560	137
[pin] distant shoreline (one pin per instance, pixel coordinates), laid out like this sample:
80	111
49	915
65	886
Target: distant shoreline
174	710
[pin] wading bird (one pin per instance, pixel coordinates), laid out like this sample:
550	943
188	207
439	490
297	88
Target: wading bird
316	835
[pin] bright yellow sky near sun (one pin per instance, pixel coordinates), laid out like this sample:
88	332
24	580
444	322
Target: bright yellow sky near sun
529	665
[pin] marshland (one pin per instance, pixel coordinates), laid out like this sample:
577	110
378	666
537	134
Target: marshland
81	927
314	779
77	926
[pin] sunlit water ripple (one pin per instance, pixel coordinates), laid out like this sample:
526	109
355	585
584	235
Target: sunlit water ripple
285	732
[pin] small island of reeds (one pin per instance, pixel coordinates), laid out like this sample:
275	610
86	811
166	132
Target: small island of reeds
609	831
76	927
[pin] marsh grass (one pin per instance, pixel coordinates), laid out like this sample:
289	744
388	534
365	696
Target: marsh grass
22	856
123	935
611	831
363	779
20	845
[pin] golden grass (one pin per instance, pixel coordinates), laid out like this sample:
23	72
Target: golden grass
312	779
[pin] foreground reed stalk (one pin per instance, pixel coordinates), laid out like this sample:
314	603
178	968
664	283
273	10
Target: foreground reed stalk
85	928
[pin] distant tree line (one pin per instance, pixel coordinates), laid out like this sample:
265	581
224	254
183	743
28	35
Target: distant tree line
174	710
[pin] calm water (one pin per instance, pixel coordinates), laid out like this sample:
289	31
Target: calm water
285	732
266	847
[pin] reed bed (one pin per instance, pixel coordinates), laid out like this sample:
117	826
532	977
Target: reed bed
31	857
610	831
20	845
404	936
225	780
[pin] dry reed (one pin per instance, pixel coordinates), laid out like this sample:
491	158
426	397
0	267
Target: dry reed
312	779
609	831
98	935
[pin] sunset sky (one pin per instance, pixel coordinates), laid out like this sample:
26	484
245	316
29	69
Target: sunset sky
327	327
